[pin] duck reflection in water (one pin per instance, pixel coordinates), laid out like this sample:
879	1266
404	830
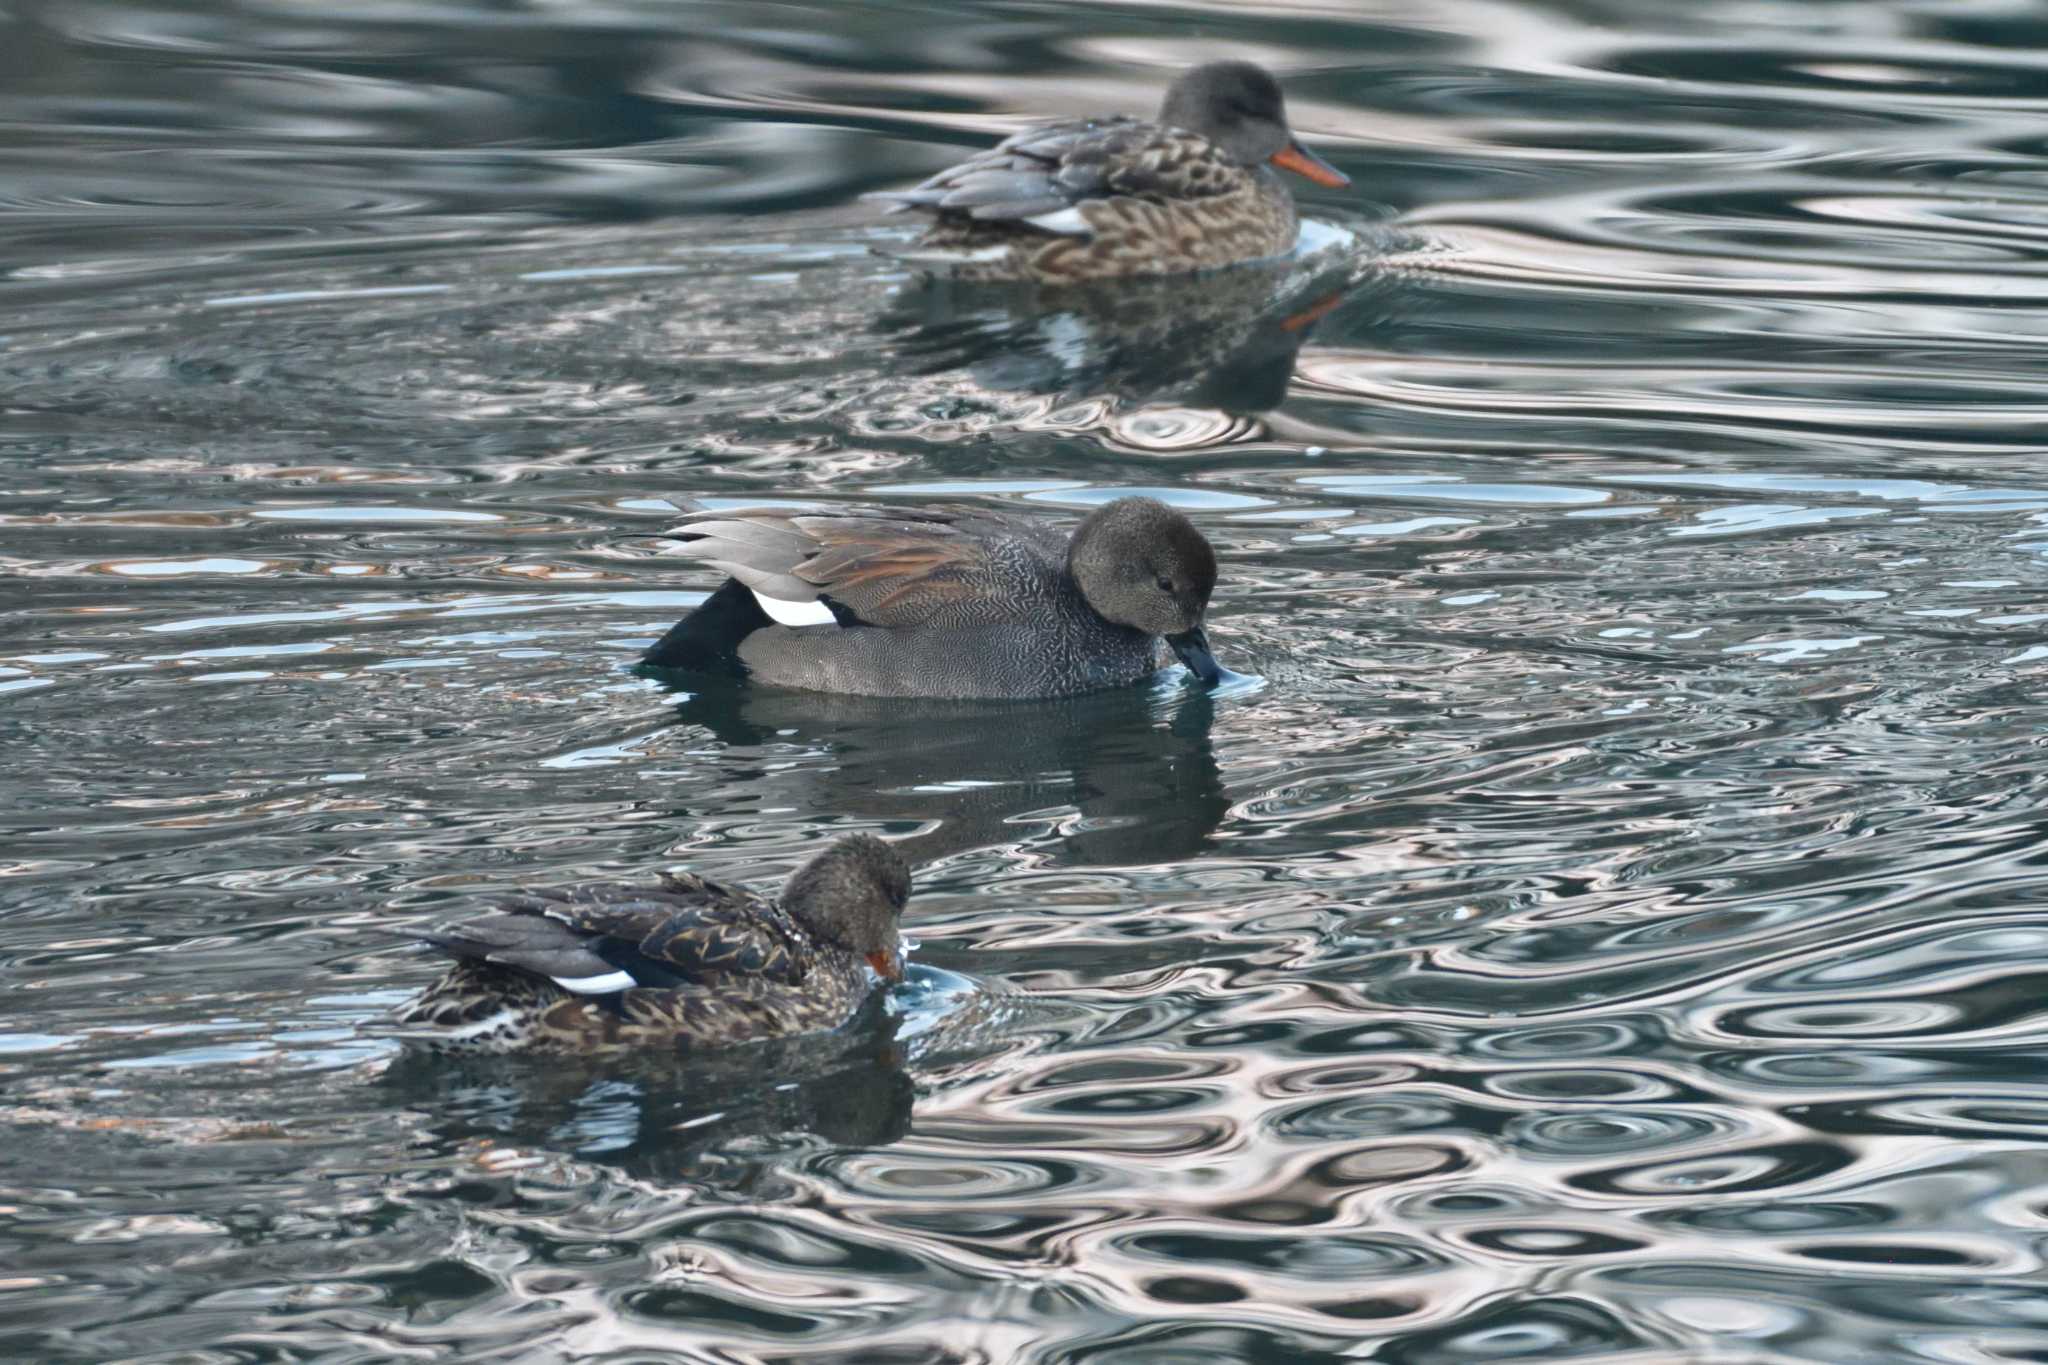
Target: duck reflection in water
666	1117
1112	778
1227	340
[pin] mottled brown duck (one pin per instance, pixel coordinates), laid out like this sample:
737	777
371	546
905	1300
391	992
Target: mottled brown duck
1111	197
685	964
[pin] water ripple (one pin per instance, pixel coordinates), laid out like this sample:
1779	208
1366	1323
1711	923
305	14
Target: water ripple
1609	931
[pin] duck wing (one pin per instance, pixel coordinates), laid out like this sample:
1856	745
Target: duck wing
1045	175
884	566
596	940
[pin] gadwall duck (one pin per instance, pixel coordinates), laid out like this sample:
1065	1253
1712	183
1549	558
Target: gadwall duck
1100	198
956	602
688	963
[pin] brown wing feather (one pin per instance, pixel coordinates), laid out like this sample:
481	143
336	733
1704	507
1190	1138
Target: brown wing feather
891	570
886	578
889	567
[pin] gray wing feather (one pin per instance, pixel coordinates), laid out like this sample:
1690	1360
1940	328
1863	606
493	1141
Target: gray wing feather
1040	170
1019	208
532	943
760	551
997	186
992	186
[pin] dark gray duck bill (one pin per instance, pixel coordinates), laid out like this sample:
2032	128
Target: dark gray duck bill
1192	647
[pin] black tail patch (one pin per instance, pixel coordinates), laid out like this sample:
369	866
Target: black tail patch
708	639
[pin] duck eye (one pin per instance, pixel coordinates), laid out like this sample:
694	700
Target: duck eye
1165	584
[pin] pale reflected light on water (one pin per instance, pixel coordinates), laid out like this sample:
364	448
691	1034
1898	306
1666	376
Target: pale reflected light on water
1603	923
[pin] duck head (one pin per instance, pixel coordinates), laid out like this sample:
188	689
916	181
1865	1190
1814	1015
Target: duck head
1238	106
852	896
1141	564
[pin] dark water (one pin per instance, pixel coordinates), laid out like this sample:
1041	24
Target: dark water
1611	929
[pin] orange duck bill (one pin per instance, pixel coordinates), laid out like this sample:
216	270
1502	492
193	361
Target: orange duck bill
1305	163
887	964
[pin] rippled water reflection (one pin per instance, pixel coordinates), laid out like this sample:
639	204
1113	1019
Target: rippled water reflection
1607	930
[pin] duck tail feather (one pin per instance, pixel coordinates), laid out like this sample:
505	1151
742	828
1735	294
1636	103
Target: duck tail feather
708	639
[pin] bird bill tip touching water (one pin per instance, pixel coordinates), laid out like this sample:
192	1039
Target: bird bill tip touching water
1191	647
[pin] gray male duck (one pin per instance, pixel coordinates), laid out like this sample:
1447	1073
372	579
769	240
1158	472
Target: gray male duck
685	964
958	602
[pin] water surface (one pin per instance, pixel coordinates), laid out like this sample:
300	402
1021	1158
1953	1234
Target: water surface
1609	929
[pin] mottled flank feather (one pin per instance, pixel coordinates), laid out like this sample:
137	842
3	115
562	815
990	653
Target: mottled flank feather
476	1007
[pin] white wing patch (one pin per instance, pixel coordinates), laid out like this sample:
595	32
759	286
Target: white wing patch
476	1029
950	255
1069	221
795	613
596	985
